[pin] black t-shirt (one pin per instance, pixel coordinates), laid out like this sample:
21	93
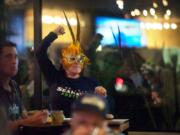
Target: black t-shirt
11	101
66	90
63	90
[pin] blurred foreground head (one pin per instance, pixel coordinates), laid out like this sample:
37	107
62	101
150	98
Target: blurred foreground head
89	111
91	103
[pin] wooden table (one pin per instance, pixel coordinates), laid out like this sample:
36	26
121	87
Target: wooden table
43	129
118	125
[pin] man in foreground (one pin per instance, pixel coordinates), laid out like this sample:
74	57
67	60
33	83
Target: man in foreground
88	116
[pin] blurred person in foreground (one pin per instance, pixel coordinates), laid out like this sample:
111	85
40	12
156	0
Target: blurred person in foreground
10	94
88	116
66	84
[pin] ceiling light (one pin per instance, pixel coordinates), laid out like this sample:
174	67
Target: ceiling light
120	4
57	20
132	13
173	26
168	12
145	12
47	19
152	11
148	25
166	25
165	3
137	12
155	5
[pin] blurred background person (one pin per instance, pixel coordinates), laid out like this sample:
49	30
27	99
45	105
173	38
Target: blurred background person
28	87
10	94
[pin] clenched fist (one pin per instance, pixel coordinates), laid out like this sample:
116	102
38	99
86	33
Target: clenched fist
101	91
59	30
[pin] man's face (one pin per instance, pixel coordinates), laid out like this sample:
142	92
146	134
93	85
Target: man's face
8	61
86	121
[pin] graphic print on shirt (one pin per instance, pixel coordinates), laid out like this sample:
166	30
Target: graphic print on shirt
14	111
70	93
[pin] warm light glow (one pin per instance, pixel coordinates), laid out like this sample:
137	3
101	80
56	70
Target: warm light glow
152	11
148	25
132	13
154	26
51	18
155	5
73	21
166	17
47	19
151	25
137	12
165	3
173	26
99	49
58	20
166	26
145	12
142	25
157	26
168	12
155	17
120	4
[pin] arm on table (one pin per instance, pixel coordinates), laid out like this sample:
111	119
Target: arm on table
38	118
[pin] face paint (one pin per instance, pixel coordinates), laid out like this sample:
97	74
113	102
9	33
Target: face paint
73	53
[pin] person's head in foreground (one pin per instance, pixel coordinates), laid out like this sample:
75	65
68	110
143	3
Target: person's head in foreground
88	115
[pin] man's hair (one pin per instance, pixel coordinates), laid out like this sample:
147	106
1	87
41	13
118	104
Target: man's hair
91	103
6	44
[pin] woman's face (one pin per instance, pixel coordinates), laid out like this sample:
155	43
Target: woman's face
73	65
